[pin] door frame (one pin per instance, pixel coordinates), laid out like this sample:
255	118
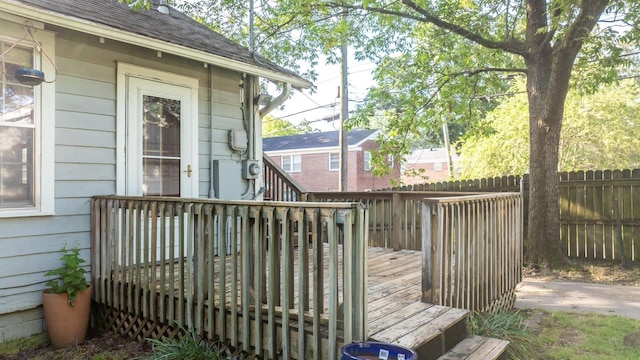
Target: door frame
124	73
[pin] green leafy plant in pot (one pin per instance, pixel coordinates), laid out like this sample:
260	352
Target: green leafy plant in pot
67	302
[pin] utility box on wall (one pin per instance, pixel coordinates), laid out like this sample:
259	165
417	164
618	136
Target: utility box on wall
226	176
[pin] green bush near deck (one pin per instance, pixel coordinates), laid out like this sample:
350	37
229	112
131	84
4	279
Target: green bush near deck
186	347
510	326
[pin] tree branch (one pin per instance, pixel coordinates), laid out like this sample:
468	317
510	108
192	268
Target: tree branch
485	70
510	45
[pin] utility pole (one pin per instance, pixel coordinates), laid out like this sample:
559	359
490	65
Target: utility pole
447	146
344	113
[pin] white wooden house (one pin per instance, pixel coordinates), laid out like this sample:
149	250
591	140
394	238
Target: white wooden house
133	103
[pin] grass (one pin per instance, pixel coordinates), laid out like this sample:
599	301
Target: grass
577	336
559	335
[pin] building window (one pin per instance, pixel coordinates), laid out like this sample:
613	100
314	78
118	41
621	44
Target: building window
26	128
437	166
292	163
392	161
367	161
334	162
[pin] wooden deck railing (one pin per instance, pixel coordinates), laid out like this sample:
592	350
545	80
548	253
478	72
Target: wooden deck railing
248	273
472	255
279	186
395	217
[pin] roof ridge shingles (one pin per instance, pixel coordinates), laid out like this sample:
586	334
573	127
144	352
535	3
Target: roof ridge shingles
314	140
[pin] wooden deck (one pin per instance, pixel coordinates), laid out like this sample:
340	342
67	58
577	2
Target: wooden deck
287	281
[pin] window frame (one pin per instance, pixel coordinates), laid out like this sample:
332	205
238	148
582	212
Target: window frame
43	120
337	156
367	161
292	163
437	166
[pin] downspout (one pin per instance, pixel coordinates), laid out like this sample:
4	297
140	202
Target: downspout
279	100
248	102
212	191
252	100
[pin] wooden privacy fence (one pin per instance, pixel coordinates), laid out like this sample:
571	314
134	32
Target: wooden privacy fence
588	217
249	274
472	251
588	220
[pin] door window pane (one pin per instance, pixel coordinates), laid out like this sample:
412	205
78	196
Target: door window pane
161	177
161	146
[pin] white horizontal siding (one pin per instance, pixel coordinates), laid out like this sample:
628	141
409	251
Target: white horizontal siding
85	162
21	324
87	155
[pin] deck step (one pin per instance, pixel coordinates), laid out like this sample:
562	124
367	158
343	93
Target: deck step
428	329
477	348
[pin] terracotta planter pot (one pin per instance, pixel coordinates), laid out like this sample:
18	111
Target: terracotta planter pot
66	324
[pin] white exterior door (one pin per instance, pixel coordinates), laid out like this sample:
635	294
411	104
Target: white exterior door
161	138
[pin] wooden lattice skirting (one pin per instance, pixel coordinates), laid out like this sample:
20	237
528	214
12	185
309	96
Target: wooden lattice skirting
137	328
504	303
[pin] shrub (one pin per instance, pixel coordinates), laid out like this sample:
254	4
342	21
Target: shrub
70	277
508	326
186	347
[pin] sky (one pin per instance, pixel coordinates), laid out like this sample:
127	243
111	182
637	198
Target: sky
324	101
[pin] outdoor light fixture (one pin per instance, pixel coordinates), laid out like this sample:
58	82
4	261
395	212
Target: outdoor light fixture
29	76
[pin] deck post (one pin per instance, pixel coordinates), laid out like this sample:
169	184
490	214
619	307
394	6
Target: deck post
396	221
429	233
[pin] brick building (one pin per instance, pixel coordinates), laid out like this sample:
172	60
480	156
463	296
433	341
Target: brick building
429	166
313	160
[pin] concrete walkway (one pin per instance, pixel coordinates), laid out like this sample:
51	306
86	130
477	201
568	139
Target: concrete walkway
579	297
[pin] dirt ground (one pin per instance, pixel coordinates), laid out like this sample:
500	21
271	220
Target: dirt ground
591	271
113	347
107	346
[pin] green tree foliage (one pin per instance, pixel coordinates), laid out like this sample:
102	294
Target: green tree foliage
272	127
601	130
436	59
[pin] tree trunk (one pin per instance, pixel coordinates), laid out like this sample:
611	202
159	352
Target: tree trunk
543	237
545	124
548	74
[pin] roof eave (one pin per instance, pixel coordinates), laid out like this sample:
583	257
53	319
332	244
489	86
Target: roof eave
105	31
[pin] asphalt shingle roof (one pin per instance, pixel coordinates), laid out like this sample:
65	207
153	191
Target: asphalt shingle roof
314	140
175	27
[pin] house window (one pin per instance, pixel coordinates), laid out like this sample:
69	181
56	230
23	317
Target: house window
367	161
334	162
26	128
392	161
437	166
292	163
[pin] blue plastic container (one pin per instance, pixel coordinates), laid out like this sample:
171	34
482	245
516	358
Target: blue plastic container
375	351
